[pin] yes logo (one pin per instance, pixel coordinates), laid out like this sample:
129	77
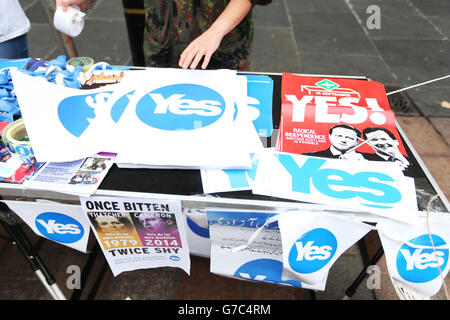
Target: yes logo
366	185
59	227
421	265
173	107
312	251
180	107
74	111
267	270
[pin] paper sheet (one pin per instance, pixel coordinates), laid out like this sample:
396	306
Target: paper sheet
138	233
160	117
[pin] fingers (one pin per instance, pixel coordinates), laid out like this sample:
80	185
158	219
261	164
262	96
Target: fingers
196	60
206	60
191	57
185	58
63	4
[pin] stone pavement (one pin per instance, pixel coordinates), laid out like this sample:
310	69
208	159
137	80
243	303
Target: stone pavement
298	36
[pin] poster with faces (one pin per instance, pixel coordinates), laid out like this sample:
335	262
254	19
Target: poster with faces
138	233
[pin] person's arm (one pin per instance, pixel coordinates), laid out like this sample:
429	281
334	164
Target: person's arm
82	4
208	42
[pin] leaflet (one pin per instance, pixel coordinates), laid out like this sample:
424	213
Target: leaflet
138	233
81	177
339	118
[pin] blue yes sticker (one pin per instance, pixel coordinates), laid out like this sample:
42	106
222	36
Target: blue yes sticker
420	265
59	227
312	251
180	107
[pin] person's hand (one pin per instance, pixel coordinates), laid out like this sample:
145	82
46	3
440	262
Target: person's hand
203	46
64	4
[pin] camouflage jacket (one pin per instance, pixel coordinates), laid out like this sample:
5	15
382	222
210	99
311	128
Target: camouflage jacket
172	24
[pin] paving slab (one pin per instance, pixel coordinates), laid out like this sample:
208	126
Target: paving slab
42	43
106	10
330	33
320	6
438	167
20	289
398	20
342	274
442	24
371	66
111	47
35	11
281	45
433	7
273	15
424	138
148	284
442	125
415	61
433	100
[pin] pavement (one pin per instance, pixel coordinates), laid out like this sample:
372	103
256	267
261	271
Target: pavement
299	36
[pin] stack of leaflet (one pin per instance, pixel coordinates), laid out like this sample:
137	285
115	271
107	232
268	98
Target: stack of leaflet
153	118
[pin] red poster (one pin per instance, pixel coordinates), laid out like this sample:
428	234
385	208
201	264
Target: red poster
338	118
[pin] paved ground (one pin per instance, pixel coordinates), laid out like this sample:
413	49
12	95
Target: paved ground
298	36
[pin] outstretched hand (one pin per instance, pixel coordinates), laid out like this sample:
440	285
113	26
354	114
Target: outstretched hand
203	46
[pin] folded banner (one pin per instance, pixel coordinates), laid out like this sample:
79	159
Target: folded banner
137	233
201	114
380	188
261	260
313	241
416	258
63	223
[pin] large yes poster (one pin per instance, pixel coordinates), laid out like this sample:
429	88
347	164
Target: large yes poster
201	115
138	233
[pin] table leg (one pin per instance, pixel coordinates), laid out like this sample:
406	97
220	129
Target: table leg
17	237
